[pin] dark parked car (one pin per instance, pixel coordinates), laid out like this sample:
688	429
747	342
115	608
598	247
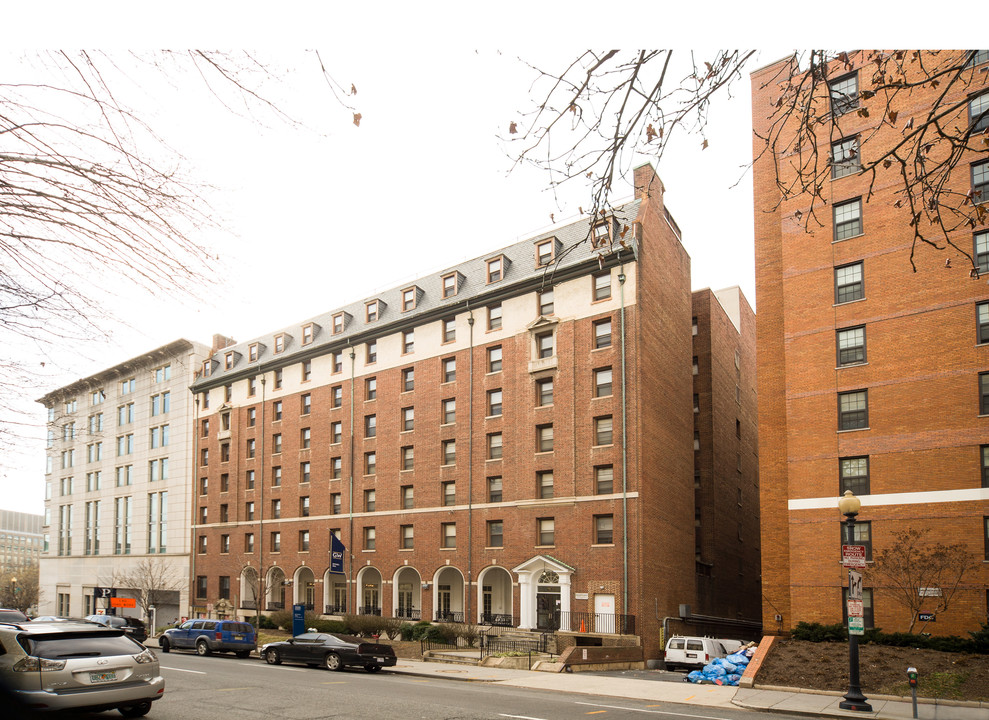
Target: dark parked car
209	636
334	652
12	615
130	625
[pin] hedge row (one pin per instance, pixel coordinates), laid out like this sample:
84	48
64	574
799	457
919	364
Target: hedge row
371	625
977	642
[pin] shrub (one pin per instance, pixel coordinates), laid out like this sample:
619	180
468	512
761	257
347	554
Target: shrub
468	632
281	619
420	629
365	625
816	632
405	631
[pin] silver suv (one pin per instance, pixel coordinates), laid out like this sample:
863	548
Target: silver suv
78	666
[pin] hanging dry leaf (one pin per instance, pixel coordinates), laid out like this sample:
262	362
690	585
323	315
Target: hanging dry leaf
357	119
650	133
512	128
624	230
892	114
552	218
704	145
886	163
353	89
863	112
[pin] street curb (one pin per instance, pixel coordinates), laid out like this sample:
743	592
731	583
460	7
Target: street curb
885	698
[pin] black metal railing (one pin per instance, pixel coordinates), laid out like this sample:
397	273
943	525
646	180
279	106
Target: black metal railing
248	604
368	610
336	609
454	643
589	622
275	606
456	616
310	606
499	620
493	645
408	614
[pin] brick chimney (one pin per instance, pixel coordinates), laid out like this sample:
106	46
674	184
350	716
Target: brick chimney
222	341
647	183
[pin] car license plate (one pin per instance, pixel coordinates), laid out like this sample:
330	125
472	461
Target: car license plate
691	655
379	659
238	637
103	677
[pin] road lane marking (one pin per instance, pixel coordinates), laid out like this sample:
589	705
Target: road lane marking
334	682
197	672
653	712
595	712
520	717
233	689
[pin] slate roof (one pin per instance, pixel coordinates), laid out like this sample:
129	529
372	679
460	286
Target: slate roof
473	291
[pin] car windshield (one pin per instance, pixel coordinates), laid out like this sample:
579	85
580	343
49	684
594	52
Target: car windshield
74	645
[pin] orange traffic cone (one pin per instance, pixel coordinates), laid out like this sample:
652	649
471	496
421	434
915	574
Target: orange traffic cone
582	626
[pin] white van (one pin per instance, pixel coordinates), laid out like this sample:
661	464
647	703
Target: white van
692	653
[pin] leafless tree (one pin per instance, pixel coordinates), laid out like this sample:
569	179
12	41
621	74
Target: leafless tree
92	197
921	575
154	579
591	118
19	588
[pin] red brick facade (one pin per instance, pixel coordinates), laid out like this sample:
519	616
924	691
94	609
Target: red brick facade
584	544
919	372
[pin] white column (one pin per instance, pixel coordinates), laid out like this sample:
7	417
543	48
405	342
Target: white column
527	615
565	592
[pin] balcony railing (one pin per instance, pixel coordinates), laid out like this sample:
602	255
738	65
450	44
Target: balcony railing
275	605
456	616
408	614
589	622
499	620
336	609
368	610
248	604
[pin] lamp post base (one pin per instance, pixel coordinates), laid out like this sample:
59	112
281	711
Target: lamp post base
855	701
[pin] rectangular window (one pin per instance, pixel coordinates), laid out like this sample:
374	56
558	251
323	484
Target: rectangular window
408	379
249	511
546	531
845	158
279	344
336	396
200	586
248	542
336	432
853	410
337	323
252	387
336	360
336	503
304	506
252	352
306	370
279	377
407	535
496	536
851	346
604	529
408	341
494	359
408	497
276	542
408	458
449	411
495	269
276	443
370	463
848	219
544	253
980	182
982	322
844	94
408	299
276	509
371	352
371	311
544	391
603	431
369	500
861	535
276	476
449	452
600	235
981	243
126	388
984	393
494	489
544	484
224	543
602	286
979	57
305	472
602	333
984	451
276	410
854	475
494	316
848	284
369	538
546	304
544	438
604	480
449	329
494	402
370	426
249	480
252	417
228	361
449	285
978	112
306	404
336	468
449	493
251	448
449	369
408	418
448	535
602	382
495	446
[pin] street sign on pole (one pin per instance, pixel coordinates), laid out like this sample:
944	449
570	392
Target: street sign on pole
854	585
855	608
856	625
853	556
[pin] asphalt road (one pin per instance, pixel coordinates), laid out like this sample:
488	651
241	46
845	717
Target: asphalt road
222	687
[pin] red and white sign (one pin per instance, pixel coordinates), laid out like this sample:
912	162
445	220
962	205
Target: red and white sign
855	608
853	556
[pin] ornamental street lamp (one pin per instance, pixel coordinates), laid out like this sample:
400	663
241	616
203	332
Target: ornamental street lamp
849	506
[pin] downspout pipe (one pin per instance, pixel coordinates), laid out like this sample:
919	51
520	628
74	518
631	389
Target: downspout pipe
470	469
262	575
192	502
350	500
621	292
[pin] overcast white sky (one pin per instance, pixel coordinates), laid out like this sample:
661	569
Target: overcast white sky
318	219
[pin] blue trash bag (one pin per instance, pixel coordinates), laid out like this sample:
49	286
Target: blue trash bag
695	676
739	658
732	679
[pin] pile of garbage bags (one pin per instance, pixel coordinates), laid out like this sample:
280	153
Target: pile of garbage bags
724	671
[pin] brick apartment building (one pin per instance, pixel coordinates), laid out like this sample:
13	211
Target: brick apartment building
872	377
118	484
511	441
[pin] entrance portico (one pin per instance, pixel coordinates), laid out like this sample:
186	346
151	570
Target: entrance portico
544	592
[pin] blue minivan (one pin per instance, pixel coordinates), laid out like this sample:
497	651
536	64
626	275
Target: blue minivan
210	636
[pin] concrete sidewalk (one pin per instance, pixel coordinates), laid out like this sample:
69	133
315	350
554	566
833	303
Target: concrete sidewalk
784	700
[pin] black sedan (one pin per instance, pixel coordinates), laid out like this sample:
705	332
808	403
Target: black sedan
334	652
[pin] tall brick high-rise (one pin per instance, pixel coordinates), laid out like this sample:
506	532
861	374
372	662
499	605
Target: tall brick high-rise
872	376
512	441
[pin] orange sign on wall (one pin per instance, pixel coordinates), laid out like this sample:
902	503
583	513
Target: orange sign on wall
123	602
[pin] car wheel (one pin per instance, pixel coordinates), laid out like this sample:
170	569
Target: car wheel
273	657
243	653
372	668
332	662
202	648
139	710
164	645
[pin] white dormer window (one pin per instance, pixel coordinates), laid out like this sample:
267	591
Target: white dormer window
279	343
495	269
408	299
449	285
307	334
253	352
601	235
371	311
544	253
228	361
